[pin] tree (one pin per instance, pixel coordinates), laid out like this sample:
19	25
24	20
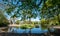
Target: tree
44	23
18	22
28	14
22	4
50	8
3	19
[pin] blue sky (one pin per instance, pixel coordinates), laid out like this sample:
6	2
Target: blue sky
8	17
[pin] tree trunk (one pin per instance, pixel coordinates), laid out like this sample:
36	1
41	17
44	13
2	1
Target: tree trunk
29	20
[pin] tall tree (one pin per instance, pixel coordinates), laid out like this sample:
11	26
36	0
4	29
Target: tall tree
28	14
50	11
50	8
22	4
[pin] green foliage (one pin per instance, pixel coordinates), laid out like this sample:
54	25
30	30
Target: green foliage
50	8
50	11
3	20
55	21
27	26
43	23
10	9
18	21
46	23
28	14
28	5
36	26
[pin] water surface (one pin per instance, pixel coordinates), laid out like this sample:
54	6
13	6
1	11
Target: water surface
34	30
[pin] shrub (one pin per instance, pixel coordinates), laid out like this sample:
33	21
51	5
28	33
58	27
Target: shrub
27	26
36	26
3	24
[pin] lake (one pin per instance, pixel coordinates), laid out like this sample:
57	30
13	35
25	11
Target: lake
34	30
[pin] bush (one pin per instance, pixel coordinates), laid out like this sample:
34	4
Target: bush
36	26
3	24
27	26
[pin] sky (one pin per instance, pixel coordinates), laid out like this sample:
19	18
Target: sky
8	17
